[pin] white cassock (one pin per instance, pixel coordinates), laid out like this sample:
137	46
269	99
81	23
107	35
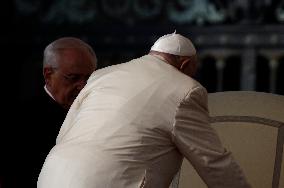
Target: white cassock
131	126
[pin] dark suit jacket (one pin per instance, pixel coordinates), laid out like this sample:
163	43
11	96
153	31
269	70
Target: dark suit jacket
35	128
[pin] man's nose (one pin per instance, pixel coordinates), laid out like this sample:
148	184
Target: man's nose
80	84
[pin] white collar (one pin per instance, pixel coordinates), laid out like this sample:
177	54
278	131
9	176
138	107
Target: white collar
45	88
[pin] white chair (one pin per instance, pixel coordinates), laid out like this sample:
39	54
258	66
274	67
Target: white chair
250	125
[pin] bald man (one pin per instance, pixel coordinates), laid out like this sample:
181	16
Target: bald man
133	124
67	64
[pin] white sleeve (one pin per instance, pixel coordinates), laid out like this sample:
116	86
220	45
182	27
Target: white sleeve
200	144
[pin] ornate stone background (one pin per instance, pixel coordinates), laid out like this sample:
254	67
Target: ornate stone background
132	12
240	42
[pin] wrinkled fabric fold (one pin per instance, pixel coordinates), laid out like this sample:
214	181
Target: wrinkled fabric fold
131	126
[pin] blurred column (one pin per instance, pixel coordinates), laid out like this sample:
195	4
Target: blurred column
248	74
220	64
220	55
273	64
273	56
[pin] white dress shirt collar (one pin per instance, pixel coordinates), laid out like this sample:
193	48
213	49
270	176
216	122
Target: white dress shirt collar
45	88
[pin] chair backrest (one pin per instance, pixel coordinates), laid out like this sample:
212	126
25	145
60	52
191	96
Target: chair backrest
250	125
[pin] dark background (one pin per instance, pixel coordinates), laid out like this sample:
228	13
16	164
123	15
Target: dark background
240	43
246	35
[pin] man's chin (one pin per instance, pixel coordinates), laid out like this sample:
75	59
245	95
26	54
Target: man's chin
66	106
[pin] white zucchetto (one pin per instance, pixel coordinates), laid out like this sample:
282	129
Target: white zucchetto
175	44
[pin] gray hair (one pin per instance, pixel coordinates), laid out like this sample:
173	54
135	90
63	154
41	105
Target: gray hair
52	50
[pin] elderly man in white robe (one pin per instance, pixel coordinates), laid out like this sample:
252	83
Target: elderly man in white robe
133	123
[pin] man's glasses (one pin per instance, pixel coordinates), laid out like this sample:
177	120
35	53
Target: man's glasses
73	78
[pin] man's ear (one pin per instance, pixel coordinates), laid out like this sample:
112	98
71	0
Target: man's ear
184	65
189	66
47	73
